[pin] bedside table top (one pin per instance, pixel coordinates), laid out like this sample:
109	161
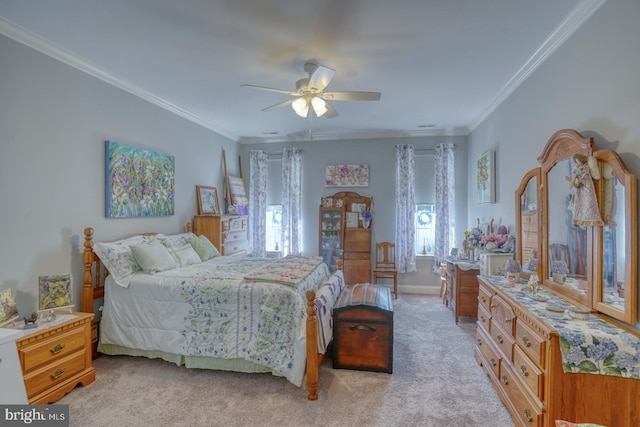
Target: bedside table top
42	325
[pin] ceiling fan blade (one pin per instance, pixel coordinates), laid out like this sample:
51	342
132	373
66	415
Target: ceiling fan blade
351	96
331	112
271	89
281	104
321	78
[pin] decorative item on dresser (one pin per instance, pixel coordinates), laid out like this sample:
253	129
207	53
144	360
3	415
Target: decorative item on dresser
342	235
492	264
228	233
363	331
462	287
562	345
56	357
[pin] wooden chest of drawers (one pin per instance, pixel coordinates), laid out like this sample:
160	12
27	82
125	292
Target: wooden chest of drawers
56	358
228	233
462	290
363	329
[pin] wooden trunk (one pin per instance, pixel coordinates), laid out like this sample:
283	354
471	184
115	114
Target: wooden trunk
363	329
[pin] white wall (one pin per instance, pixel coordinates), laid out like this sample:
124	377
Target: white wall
590	84
53	124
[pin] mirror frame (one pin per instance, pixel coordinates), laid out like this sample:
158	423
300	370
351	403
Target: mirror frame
628	180
533	173
563	145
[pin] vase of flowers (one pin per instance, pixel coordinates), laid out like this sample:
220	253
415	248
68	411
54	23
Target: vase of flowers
367	217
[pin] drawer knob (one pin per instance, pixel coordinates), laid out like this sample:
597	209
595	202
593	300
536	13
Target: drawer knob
57	349
479	341
57	374
482	319
524	371
362	328
527	415
505	380
507	320
493	362
526	341
500	339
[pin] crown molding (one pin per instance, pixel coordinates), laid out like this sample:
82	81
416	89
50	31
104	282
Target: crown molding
572	22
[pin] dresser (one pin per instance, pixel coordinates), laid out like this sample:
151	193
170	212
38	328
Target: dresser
228	233
462	288
56	356
518	347
492	264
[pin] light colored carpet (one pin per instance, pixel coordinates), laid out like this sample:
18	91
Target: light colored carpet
435	382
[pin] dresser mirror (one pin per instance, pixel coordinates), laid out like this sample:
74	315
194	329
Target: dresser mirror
590	265
527	222
616	292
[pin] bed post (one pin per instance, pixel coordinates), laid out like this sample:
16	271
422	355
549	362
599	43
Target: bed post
312	346
86	304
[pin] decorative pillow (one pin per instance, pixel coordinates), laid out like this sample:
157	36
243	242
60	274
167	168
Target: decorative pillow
185	255
205	249
175	240
118	258
153	257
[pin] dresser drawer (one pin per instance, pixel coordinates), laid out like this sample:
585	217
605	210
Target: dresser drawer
502	314
528	371
489	353
234	247
484	298
55	373
484	318
532	343
232	236
524	406
502	339
48	351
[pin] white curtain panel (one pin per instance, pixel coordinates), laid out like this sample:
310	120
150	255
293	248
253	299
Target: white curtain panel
292	201
258	171
445	199
405	209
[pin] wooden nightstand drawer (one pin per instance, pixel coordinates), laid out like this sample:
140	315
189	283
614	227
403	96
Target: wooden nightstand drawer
47	351
54	373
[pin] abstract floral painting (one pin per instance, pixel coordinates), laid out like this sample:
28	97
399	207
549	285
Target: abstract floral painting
54	292
346	176
8	308
485	182
139	183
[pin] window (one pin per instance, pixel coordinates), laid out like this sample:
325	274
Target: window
425	229
274	227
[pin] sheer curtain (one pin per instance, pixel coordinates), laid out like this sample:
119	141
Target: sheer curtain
258	169
292	201
405	209
445	199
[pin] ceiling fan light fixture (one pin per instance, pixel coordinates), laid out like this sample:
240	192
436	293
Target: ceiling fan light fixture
319	106
301	107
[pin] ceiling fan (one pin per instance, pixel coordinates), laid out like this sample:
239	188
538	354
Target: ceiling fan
310	93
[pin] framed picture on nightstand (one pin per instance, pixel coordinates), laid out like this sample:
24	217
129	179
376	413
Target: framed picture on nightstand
54	292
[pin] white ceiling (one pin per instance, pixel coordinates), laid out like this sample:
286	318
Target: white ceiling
441	65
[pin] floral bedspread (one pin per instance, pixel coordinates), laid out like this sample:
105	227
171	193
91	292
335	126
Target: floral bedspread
210	309
287	271
592	346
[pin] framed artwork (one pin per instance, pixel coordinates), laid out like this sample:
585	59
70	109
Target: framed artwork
207	200
54	292
239	201
8	308
138	182
352	219
346	176
485	181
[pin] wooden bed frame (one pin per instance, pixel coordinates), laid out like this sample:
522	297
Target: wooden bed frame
93	288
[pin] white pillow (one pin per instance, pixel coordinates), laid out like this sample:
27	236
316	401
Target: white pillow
118	258
153	257
185	255
204	248
175	240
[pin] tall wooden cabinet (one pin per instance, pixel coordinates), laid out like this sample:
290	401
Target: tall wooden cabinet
343	237
228	233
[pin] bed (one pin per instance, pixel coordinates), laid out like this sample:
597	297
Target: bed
207	311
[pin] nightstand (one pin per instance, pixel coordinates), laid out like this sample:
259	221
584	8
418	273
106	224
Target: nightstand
56	356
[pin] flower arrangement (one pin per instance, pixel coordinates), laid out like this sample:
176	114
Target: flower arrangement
497	239
474	237
367	215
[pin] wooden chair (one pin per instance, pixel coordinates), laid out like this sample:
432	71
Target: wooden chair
385	266
560	252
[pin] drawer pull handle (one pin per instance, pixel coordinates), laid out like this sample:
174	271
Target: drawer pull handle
494	306
57	349
524	371
500	339
57	374
493	362
526	341
482	319
527	415
479	341
505	380
507	320
362	328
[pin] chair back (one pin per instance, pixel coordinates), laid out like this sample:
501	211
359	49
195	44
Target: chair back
560	252
385	255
